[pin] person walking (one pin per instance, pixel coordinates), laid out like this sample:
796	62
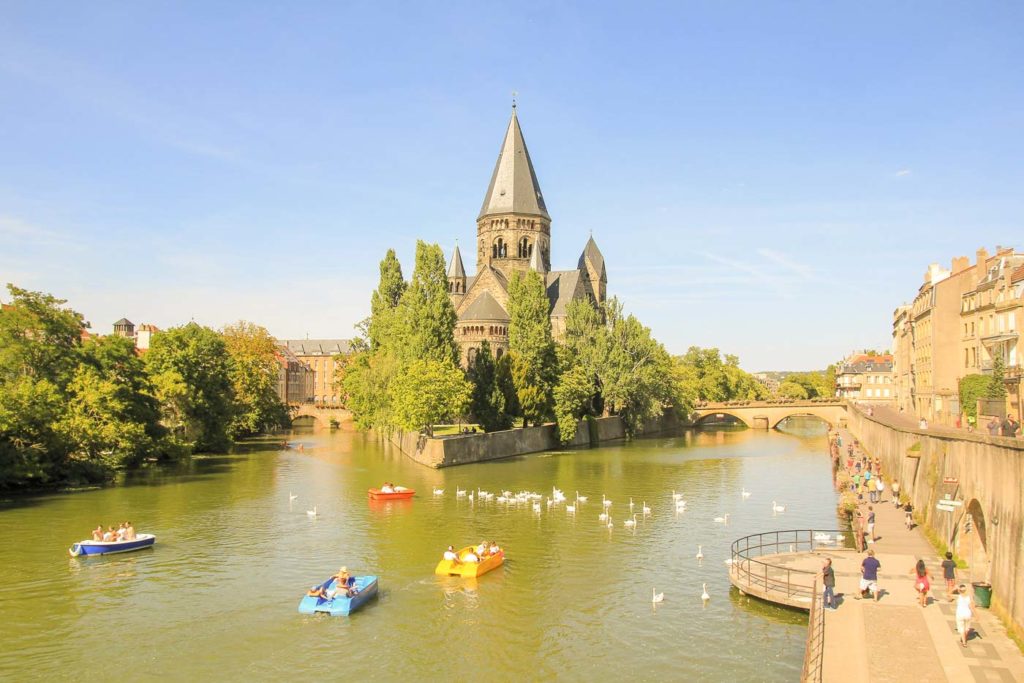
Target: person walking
828	579
896	494
922	582
908	516
879	488
964	614
869	575
949	574
871	524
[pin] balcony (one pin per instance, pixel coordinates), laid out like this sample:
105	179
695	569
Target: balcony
1009	371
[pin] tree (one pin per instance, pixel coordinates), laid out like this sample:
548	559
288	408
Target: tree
193	361
790	389
997	380
32	452
573	395
384	301
427	393
703	375
425	315
487	403
534	364
506	386
39	337
254	372
366	384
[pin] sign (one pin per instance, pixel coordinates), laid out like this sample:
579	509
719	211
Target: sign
947	501
950	480
945	508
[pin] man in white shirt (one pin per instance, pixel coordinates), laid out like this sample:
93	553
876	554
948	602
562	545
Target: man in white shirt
451	555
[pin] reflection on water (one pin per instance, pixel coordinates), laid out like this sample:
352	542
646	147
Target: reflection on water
234	556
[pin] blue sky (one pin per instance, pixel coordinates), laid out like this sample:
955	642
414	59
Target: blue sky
769	178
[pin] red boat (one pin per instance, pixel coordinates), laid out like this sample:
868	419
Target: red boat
402	494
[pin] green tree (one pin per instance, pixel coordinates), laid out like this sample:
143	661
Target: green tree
384	301
426	315
254	372
506	386
703	375
973	387
32	452
197	358
534	362
487	403
997	380
39	337
430	391
366	385
793	390
573	395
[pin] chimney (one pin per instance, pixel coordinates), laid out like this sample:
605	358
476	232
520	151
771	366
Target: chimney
960	264
982	256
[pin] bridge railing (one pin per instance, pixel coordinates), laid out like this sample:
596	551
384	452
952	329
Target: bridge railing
814	646
776	582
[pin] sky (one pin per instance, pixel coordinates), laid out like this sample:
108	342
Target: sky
768	178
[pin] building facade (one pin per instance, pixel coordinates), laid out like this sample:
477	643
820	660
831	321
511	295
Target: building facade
514	236
319	356
959	322
296	381
867	378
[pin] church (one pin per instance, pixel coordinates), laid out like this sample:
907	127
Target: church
513	233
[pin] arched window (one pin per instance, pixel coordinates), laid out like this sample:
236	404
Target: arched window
499	353
499	249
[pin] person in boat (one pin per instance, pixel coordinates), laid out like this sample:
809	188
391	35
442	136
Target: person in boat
129	531
387	488
97	533
344	584
482	549
452	556
494	549
109	535
119	534
471	556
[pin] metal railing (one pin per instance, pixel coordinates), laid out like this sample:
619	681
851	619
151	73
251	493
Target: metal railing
814	647
775	582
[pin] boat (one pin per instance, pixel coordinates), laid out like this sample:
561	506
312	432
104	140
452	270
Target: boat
399	494
465	569
110	547
364	586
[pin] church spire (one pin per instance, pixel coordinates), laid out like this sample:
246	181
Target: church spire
537	262
514	187
455	268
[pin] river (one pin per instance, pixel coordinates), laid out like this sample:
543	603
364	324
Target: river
216	598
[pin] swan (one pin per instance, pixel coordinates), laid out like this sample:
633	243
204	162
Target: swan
700	552
571	509
460	492
291	496
630	523
778	508
723	520
745	493
646	510
470	496
580	499
704	596
438	492
603	517
676	496
313	512
536	507
630	503
604	501
656	597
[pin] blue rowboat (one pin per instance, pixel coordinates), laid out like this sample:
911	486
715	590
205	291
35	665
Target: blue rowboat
365	588
109	547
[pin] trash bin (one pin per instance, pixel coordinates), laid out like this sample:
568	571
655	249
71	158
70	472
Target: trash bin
982	594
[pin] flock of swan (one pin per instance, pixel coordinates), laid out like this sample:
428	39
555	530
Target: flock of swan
558	498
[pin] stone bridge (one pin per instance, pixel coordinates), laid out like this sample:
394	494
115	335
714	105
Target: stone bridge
768	414
323	416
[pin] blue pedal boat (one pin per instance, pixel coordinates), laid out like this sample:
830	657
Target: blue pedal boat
110	547
365	588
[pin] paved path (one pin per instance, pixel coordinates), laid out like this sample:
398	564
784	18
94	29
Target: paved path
896	639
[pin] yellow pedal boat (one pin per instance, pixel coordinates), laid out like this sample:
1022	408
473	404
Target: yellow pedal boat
468	569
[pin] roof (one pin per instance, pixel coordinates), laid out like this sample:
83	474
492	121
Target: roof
1017	275
484	307
317	347
124	321
514	187
593	254
861	363
562	286
456	269
536	262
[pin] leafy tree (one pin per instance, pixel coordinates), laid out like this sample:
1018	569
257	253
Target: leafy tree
585	344
973	387
795	390
534	363
573	395
505	385
366	385
254	369
200	359
425	315
997	380
487	403
384	301
429	392
703	375
32	452
39	337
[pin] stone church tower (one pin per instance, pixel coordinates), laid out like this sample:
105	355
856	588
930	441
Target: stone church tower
513	234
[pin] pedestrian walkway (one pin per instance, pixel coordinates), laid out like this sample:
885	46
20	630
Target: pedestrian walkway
896	639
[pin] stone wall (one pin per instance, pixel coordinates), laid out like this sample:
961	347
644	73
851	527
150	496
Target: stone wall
990	474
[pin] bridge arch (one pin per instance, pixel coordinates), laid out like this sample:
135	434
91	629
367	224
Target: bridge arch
722	413
803	413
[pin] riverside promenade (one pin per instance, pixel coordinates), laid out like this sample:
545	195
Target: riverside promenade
894	639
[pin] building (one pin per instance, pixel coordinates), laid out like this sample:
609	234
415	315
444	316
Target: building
868	378
768	382
514	235
295	380
124	328
141	335
318	355
960	320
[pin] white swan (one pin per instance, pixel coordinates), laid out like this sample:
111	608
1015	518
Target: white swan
603	517
630	523
313	512
646	510
571	509
676	496
778	508
580	499
656	597
438	492
700	552
604	501
745	493
536	507
723	520
704	596
470	497
460	492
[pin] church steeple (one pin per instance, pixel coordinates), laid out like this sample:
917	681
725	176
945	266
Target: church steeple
514	187
513	223
456	273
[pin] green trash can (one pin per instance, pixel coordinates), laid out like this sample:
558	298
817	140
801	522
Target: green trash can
982	594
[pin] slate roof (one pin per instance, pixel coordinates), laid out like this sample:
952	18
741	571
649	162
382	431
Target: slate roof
514	187
536	262
124	321
484	307
317	347
561	286
591	252
456	269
